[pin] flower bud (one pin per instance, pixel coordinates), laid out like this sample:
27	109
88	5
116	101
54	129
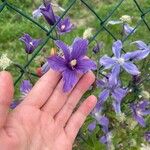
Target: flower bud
88	33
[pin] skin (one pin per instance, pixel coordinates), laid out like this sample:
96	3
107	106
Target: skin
46	119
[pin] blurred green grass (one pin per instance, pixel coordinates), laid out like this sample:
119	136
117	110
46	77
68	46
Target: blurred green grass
12	27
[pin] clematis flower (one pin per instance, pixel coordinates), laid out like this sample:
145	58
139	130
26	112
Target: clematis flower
139	110
147	136
119	61
25	88
128	29
73	62
30	43
64	26
111	89
48	14
98	47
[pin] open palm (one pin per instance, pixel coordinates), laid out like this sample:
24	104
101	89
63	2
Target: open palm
45	119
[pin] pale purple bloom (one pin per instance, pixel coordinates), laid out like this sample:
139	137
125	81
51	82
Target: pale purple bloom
48	13
25	88
139	110
98	47
30	43
128	29
73	62
64	26
111	89
147	136
45	67
119	61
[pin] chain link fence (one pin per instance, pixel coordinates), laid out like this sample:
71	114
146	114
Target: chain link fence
71	3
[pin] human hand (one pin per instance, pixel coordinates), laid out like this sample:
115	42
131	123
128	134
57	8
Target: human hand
44	120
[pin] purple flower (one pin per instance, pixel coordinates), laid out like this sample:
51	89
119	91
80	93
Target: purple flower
111	89
92	126
128	29
25	88
97	47
72	63
119	61
48	13
64	26
30	44
139	110
147	136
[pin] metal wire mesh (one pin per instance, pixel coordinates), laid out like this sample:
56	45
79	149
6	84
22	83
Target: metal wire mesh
102	22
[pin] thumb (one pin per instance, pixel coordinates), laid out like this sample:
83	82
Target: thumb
6	95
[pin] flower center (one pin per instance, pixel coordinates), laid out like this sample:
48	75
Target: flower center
73	62
121	61
63	27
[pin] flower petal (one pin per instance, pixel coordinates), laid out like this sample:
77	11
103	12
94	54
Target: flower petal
57	63
103	96
136	55
25	87
70	79
100	83
107	62
118	94
131	68
116	48
140	120
140	44
79	48
113	79
61	45
84	65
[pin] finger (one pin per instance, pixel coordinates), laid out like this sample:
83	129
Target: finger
78	118
82	86
42	90
6	95
58	99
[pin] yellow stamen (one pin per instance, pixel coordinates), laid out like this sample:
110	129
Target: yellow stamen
73	62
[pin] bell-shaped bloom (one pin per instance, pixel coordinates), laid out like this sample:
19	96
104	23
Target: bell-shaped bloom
48	14
119	61
30	43
73	62
111	89
147	136
139	110
128	29
25	88
98	47
64	26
